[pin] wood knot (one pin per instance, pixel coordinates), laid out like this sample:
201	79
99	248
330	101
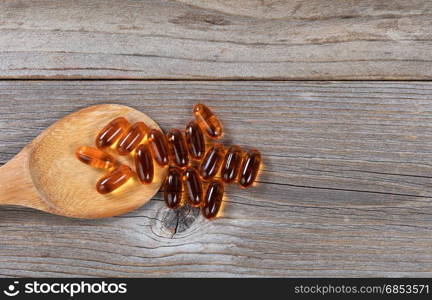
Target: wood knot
175	221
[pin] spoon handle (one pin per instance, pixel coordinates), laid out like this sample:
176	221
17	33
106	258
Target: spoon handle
16	187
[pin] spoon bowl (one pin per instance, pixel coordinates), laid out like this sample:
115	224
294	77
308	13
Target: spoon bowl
46	175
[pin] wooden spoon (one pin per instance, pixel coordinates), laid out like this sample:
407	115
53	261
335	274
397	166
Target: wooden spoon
47	176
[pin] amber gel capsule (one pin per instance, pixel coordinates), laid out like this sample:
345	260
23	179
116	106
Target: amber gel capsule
95	157
173	188
111	132
132	138
212	161
195	140
250	167
144	164
207	121
231	164
159	147
177	146
213	199
193	187
114	179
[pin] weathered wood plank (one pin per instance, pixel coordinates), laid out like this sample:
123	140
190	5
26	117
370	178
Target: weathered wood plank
346	189
269	39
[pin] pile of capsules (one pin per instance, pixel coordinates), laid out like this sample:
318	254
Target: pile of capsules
191	167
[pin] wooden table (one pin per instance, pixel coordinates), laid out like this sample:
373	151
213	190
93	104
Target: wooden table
336	94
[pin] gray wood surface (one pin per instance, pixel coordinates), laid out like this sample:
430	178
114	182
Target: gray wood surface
224	39
346	189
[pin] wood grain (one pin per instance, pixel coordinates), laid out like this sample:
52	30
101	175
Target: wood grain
346	189
193	39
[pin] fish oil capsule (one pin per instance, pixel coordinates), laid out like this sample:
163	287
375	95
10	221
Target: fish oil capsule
132	138
111	132
144	164
195	140
114	179
177	145
173	188
193	187
208	121
95	157
212	161
231	164
213	199
250	167
159	147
